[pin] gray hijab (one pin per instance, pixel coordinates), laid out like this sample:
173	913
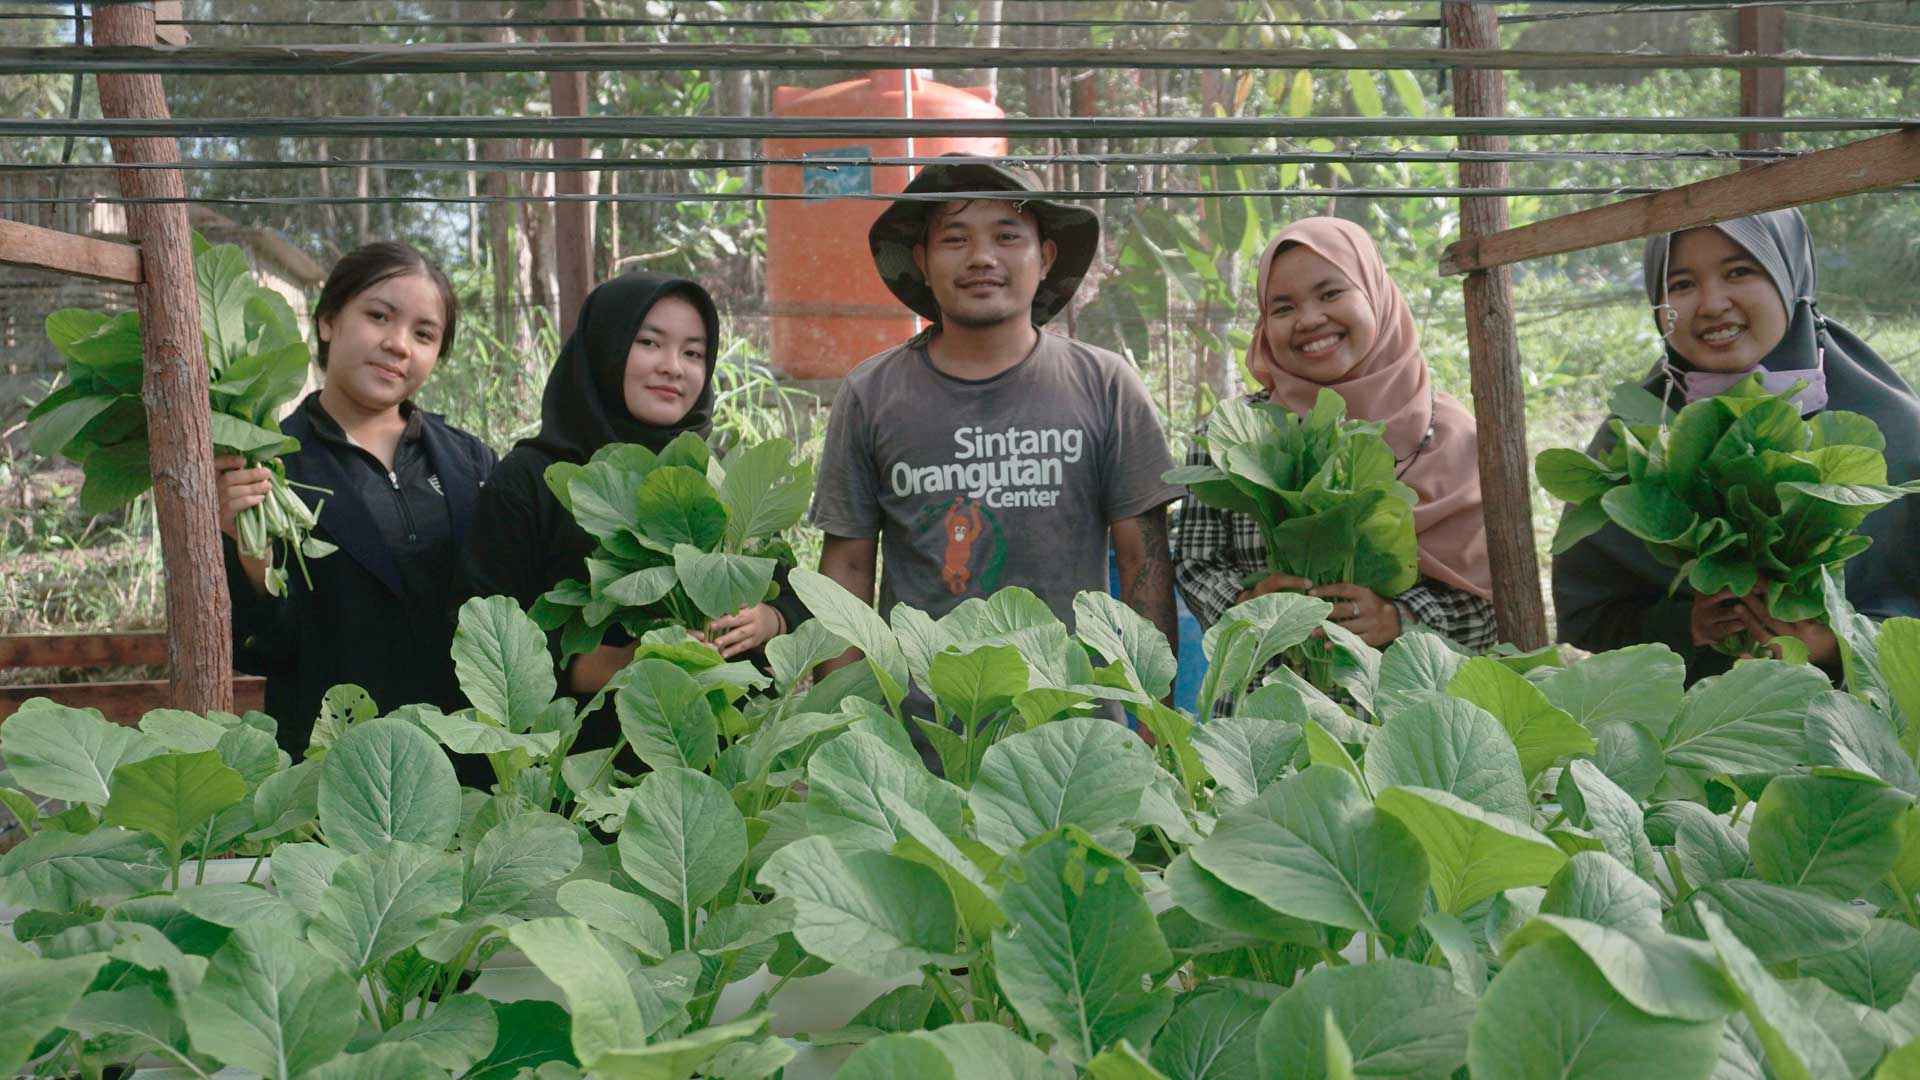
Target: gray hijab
1609	592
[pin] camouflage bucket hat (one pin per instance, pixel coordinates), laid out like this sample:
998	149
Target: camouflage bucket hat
1074	230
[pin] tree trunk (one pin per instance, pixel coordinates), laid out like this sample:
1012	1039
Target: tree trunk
573	221
990	15
507	328
174	384
1499	396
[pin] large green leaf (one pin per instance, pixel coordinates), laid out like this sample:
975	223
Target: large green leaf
237	904
1212	1035
684	838
1550	1013
1797	1049
866	911
845	616
381	901
1658	973
857	787
34	997
59	871
171	795
925	843
1878	971
1610	814
666	717
720	584
224	282
1417	663
1542	733
1600	889
1831	834
1078	943
271	1005
532	1033
1642	684
676	505
605	1015
1122	635
502	662
387	780
1453	746
1312	847
61	425
978	682
302	872
763	493
1845	732
516	857
602	496
135	1018
1471	854
622	914
69	754
675	1059
115	476
797	651
1245	754
1750	720
1779	924
1085	771
1397	1018
382	1061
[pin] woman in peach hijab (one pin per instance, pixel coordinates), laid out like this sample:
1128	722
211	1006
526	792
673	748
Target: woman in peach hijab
1330	316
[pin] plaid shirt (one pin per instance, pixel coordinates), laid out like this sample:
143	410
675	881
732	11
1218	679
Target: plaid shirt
1214	550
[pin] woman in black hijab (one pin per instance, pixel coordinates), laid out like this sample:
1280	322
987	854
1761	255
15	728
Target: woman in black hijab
637	369
1731	300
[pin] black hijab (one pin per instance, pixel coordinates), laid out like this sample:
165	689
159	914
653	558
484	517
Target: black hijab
1610	566
585	406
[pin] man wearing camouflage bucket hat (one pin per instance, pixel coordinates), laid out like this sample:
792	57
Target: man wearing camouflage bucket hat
985	452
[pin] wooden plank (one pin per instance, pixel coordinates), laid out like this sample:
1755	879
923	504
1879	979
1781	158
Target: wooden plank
124	702
81	650
1857	167
1493	353
166	19
67	253
475	57
174	386
1763	91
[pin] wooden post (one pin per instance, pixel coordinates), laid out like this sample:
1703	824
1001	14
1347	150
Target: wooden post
573	221
174	386
1493	350
1763	91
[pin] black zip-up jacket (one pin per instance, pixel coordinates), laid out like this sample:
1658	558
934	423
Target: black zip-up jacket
377	614
523	543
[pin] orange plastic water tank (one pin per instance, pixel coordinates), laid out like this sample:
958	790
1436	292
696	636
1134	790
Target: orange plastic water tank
828	306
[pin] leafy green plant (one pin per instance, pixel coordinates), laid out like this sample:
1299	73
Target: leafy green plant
1321	487
1491	867
1734	491
257	363
682	539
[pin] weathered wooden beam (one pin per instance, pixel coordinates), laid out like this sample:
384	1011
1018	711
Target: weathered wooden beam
1493	353
1825	174
173	387
124	702
476	57
81	650
67	253
1763	91
166	23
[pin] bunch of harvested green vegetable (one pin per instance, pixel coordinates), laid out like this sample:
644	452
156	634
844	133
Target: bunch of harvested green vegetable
257	363
1734	491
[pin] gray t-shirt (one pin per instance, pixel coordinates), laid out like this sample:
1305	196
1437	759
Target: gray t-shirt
973	485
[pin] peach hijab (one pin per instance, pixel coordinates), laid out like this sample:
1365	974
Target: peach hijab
1392	384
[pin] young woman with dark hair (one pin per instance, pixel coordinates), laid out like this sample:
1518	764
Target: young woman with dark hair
638	368
396	487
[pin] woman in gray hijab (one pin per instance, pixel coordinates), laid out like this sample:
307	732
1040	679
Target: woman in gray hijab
1729	300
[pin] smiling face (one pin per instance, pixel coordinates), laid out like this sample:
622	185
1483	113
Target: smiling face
383	342
1727	311
667	363
984	261
1319	326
